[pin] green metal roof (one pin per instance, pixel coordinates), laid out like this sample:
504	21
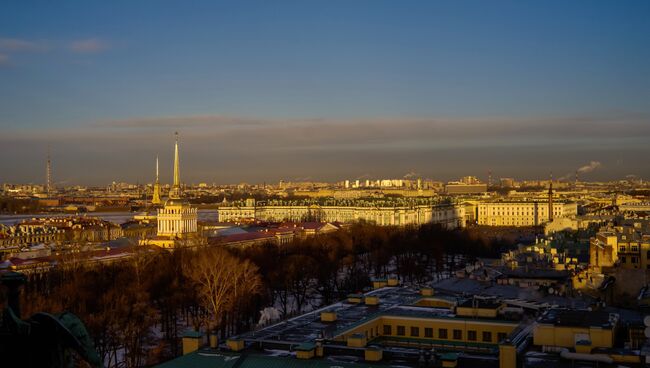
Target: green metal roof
452	345
305	346
193	334
203	359
449	356
207	358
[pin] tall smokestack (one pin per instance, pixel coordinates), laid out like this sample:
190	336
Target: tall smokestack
48	173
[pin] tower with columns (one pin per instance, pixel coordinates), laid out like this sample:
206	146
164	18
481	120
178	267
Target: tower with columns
550	199
177	219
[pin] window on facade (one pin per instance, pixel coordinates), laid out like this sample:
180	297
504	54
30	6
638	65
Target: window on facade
428	332
502	336
401	330
388	330
622	259
634	260
458	334
442	333
487	336
471	335
635	248
415	331
621	248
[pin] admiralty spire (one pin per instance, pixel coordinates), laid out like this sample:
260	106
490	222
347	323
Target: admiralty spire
175	192
177	220
155	200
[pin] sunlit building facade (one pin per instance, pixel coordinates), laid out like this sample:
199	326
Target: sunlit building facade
530	213
177	220
399	214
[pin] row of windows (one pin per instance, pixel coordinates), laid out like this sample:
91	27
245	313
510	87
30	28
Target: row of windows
508	213
486	336
633	248
632	259
177	211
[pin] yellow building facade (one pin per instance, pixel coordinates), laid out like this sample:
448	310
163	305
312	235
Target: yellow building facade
581	331
625	246
448	215
474	326
531	213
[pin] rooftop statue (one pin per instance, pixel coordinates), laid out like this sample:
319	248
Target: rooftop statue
43	340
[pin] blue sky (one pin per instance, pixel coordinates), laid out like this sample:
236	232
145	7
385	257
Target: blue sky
74	74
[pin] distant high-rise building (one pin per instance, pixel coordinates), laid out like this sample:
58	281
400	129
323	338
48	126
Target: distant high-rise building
470	180
507	183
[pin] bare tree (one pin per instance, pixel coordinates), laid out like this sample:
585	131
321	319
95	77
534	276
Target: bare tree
221	281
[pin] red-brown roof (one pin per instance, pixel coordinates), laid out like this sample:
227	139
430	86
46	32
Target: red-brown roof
245	237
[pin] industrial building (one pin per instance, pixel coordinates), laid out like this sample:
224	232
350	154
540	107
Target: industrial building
397	325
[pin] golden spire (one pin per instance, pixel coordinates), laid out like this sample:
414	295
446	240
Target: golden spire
156	187
175	193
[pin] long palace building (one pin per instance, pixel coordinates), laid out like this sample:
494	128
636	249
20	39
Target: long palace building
382	212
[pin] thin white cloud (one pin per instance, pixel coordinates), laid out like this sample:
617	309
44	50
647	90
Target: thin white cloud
10	47
316	131
19	45
88	46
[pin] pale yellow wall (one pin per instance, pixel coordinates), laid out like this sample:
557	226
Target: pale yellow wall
375	328
551	335
521	213
507	356
328	316
190	344
434	302
476	312
235	345
305	354
373	355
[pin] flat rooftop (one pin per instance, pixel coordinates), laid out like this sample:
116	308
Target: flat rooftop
393	301
579	318
210	358
308	327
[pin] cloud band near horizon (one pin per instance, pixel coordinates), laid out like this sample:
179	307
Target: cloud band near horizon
229	149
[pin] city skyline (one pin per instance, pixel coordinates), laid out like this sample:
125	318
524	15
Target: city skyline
325	92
